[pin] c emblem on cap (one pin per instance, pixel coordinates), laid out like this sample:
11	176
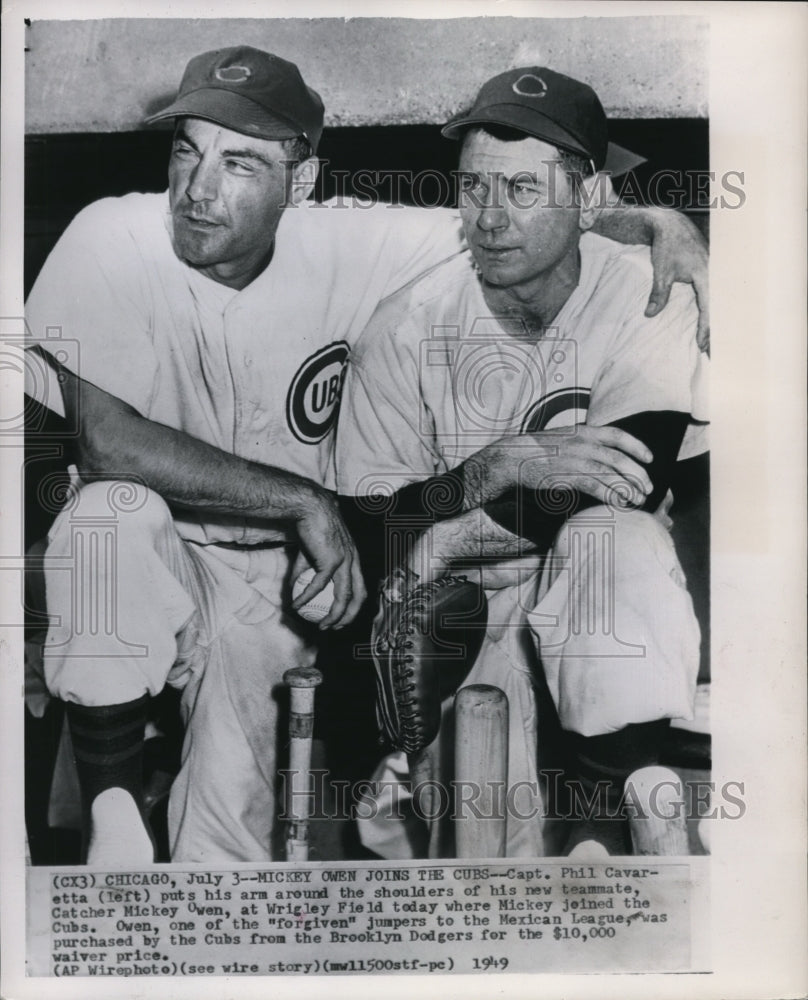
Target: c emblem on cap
529	85
233	74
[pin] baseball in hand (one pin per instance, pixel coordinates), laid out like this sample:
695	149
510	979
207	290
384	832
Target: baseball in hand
319	606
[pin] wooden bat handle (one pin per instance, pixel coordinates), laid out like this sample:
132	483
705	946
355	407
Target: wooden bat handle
302	682
481	771
424	767
659	827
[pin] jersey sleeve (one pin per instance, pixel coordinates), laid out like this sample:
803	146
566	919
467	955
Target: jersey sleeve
88	311
653	364
407	242
384	431
427	238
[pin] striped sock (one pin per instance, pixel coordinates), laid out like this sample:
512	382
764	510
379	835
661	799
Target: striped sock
108	749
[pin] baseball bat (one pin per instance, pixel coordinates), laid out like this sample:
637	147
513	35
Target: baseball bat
658	826
481	771
302	682
424	767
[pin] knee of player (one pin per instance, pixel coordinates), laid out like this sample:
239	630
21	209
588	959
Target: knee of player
127	505
627	521
640	527
628	530
598	515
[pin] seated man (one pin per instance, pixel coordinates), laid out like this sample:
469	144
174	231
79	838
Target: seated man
528	415
201	336
211	325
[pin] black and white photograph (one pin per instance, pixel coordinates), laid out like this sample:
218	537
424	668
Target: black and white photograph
380	567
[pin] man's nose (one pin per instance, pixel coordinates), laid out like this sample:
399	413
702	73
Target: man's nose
494	215
203	184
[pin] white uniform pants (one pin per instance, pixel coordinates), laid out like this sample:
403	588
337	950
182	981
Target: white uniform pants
606	616
133	606
614	624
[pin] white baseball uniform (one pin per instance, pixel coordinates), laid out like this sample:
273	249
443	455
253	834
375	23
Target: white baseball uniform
435	377
139	594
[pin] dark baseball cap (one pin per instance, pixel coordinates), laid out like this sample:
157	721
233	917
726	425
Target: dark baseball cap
549	106
248	91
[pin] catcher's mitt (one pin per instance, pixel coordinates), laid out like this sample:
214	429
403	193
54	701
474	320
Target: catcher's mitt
424	642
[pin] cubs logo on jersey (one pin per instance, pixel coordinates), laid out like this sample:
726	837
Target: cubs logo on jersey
313	397
557	409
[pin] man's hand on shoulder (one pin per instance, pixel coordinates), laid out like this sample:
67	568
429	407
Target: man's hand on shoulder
679	253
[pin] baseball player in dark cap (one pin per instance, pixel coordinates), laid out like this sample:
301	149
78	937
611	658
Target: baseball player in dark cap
214	322
532	412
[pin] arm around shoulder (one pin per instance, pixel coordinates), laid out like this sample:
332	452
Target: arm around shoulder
679	252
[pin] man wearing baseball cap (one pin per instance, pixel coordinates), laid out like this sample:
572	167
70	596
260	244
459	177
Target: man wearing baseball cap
213	323
533	414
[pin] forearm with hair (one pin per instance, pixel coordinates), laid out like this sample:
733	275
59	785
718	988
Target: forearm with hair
477	536
117	442
489	523
482	478
627	223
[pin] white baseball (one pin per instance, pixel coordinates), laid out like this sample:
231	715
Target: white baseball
318	607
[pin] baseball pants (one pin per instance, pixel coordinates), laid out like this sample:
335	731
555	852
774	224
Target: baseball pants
606	616
132	607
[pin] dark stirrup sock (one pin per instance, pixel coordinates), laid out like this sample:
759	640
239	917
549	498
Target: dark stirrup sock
108	749
601	765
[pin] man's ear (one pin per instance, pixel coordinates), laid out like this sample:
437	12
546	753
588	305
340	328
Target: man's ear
304	177
595	192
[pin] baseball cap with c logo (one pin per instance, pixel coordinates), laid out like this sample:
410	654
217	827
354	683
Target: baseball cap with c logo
249	91
549	106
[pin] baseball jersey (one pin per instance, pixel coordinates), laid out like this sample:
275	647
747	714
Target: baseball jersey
435	377
256	372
